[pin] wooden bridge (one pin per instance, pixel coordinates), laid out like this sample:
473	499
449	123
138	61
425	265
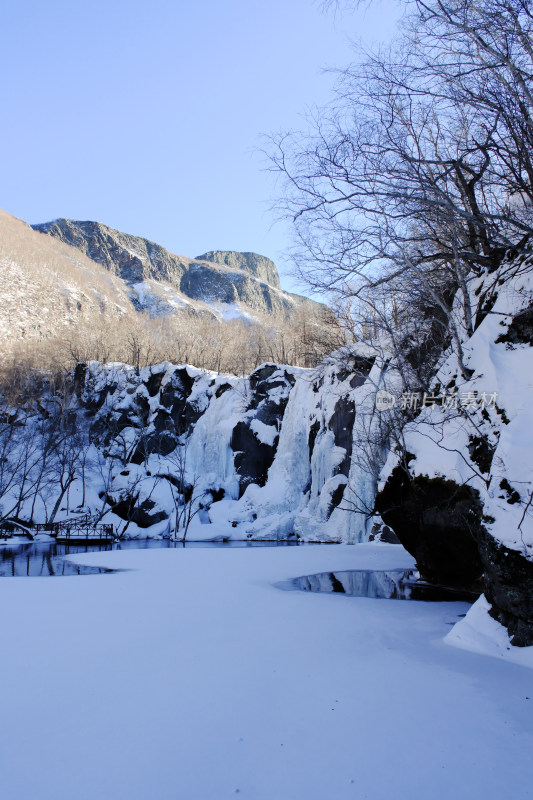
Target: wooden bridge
65	532
84	534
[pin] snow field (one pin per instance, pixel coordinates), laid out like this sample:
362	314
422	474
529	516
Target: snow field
190	676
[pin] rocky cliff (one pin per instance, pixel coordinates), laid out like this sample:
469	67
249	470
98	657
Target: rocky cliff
87	291
459	490
258	266
273	455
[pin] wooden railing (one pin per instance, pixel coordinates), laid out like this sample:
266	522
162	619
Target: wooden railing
88	533
80	529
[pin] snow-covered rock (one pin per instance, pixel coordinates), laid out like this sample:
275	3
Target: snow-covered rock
465	486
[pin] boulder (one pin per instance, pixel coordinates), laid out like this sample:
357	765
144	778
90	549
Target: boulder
438	522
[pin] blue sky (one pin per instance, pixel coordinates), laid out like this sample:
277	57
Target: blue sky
149	116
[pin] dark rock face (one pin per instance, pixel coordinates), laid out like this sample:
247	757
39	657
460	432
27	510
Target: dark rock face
156	433
177	411
266	404
508	586
438	522
253	459
96	400
154	383
224	387
132	258
423	352
358	368
260	375
313	433
129	509
80	374
175	397
481	452
520	331
510	494
341	423
336	497
202	282
382	533
259	266
210	283
263	382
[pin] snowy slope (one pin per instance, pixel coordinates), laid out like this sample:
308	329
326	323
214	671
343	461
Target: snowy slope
50	289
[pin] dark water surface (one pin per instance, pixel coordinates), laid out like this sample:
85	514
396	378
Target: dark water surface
44	559
396	584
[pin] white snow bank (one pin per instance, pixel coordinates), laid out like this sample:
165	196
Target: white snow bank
265	433
229	311
480	633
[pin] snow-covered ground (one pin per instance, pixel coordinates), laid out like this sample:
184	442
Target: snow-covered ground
192	677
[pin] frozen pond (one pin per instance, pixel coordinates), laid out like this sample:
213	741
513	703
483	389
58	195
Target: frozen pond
397	584
187	675
44	559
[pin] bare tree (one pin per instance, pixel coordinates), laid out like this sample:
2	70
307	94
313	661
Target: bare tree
19	461
418	176
185	489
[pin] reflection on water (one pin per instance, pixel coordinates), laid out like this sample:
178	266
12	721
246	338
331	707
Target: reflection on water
39	559
36	559
397	584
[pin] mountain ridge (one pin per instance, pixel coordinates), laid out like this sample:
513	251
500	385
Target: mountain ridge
59	303
215	276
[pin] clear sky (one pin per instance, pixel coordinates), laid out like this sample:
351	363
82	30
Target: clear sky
148	116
